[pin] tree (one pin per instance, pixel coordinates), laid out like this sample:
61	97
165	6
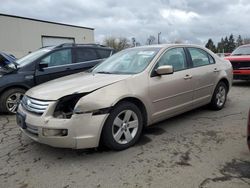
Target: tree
246	41
226	45
133	41
117	43
231	43
220	46
239	41
178	41
210	45
150	39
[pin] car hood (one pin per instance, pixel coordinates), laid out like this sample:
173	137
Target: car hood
76	83
7	63
238	58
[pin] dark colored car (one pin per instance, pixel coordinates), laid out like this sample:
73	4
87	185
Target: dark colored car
43	65
240	60
6	59
248	130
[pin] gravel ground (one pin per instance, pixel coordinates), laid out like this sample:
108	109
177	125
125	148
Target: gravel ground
201	148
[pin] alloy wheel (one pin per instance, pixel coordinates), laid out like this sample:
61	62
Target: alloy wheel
221	96
12	102
125	127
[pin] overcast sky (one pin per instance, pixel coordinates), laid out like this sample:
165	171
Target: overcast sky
191	21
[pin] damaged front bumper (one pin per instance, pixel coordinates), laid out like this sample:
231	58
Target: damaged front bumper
78	132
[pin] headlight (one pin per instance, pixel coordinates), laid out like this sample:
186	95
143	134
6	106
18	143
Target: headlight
65	106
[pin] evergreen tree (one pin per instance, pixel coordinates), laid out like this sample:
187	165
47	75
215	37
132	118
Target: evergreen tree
239	41
226	43
231	43
220	46
210	45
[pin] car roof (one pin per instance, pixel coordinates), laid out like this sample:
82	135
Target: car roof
170	45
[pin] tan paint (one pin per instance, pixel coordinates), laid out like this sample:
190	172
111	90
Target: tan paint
163	96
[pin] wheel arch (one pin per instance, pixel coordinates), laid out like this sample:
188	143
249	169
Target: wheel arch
225	80
14	86
140	105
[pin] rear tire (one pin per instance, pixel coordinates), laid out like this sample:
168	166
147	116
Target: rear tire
219	96
10	99
123	127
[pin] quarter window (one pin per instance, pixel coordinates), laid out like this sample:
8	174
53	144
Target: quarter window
58	58
174	57
200	57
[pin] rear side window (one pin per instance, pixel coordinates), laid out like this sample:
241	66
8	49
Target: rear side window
200	57
85	54
104	53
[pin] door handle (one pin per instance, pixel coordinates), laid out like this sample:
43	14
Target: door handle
187	77
216	70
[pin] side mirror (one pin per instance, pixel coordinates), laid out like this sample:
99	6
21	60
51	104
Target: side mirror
165	69
43	65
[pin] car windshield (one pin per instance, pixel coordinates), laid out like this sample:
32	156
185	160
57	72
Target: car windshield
130	61
32	56
243	50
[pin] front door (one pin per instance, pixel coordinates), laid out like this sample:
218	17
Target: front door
173	93
59	63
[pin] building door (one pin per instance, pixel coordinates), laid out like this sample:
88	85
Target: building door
53	41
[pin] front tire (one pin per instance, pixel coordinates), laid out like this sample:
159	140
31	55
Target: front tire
10	99
219	96
123	127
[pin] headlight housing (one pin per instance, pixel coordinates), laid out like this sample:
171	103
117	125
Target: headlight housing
65	106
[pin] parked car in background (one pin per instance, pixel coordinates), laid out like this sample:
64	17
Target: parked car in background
6	59
43	65
248	130
240	59
132	89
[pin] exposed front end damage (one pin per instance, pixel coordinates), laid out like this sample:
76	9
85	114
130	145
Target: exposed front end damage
61	125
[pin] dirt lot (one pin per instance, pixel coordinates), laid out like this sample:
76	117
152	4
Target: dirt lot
201	148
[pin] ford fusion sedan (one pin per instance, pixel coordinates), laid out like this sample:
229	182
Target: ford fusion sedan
130	90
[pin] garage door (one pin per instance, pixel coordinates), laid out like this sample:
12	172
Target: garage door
51	41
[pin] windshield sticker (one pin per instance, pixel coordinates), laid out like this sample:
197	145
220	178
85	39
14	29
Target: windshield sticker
148	53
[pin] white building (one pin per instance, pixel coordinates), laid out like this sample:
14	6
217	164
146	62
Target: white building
20	35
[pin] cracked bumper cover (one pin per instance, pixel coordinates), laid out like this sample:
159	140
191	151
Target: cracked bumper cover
84	130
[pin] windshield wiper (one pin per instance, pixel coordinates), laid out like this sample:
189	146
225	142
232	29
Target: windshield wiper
104	72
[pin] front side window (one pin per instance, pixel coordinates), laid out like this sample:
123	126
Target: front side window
199	57
175	57
58	58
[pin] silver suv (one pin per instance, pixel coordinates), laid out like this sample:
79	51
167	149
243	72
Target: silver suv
132	89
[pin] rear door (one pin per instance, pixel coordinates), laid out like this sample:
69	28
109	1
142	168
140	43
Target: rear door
59	64
205	73
85	58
